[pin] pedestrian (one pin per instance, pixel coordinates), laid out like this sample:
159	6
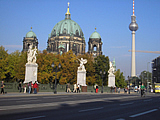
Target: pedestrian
119	90
75	88
29	87
2	88
20	87
96	88
24	87
35	86
68	88
78	88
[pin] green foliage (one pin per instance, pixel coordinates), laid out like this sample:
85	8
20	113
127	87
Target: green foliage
3	63
144	76
119	79
101	64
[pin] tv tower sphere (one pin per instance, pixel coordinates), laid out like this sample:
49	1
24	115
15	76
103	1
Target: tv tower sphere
133	25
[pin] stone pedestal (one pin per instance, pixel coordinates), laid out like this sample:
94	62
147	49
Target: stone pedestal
81	78
111	80
84	88
31	72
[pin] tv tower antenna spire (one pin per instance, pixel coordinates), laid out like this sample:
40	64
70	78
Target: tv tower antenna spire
133	27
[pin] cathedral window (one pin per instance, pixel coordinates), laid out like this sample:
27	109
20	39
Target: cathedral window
77	33
94	48
64	31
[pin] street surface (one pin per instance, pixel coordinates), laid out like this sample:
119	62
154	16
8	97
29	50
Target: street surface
83	106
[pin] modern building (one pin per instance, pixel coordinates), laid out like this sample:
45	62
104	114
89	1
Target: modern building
30	39
156	70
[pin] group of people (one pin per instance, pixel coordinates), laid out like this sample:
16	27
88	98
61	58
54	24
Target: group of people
30	87
77	88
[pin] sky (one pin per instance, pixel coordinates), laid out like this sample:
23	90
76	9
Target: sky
110	17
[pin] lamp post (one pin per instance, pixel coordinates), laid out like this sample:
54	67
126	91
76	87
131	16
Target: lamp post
59	66
129	85
104	72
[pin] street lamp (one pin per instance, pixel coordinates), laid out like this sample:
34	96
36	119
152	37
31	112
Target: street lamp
104	72
129	85
59	66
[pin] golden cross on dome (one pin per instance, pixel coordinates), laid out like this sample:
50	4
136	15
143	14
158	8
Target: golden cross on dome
68	4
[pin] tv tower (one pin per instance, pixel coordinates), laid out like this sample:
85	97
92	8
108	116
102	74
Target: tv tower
133	27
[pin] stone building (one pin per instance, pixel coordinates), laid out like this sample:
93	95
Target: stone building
67	35
30	39
95	44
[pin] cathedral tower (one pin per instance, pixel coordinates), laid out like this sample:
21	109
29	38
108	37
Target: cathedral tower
30	39
95	44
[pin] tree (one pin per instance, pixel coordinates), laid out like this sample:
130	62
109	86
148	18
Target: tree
119	79
68	73
144	76
20	66
101	63
3	63
12	61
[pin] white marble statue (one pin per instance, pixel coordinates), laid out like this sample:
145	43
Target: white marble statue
111	69
32	55
82	62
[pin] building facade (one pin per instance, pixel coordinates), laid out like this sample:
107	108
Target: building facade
30	39
95	44
156	70
67	35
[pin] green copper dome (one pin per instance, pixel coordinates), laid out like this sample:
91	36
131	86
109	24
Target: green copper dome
67	27
31	34
95	34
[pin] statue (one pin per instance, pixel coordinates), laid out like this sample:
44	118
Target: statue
111	69
82	62
32	54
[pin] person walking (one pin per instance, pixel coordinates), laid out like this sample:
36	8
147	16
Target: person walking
20	87
75	88
30	87
2	88
35	86
68	88
78	88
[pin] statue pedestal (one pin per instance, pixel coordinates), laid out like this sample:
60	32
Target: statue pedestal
84	88
31	72
81	80
111	80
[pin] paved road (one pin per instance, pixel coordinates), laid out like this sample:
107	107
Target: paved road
80	107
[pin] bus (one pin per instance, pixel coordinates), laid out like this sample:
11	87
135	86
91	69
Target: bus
157	88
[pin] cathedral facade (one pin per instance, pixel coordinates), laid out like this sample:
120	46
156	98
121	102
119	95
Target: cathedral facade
67	35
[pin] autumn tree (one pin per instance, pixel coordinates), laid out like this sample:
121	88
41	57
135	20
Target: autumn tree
3	63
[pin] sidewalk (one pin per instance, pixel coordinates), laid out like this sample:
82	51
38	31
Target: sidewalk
17	94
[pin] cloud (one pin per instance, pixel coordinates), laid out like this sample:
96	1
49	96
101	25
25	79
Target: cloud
118	47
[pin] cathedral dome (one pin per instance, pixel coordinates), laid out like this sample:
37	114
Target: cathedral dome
31	34
95	34
67	27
